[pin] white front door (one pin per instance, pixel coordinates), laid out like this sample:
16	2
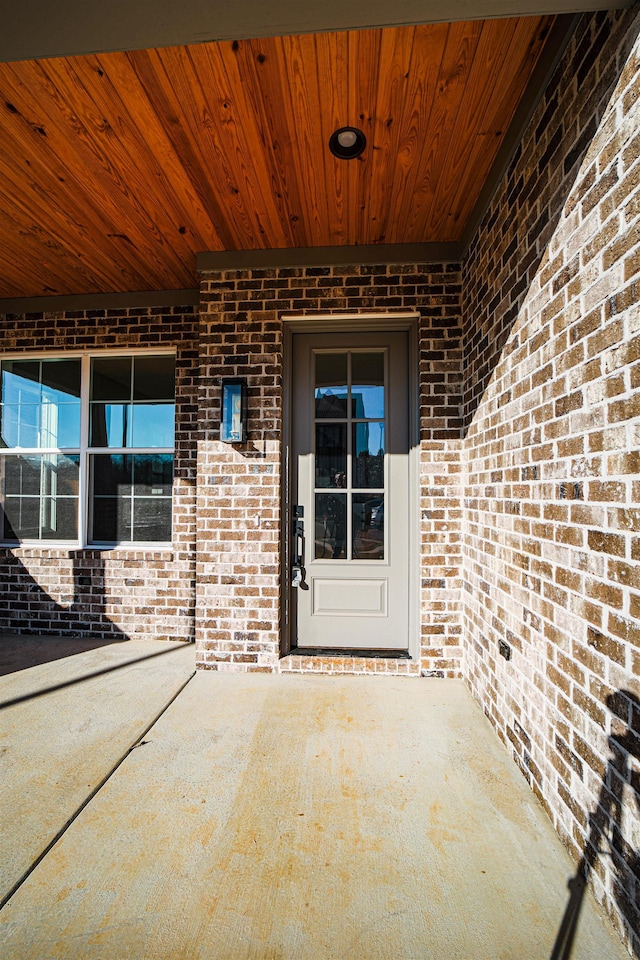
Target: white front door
350	476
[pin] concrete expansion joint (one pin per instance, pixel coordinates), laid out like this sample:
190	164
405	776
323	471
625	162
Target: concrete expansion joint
140	741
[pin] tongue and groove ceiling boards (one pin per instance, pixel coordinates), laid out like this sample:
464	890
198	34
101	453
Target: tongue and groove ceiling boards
116	169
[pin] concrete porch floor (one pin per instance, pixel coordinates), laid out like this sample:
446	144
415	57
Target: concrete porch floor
266	818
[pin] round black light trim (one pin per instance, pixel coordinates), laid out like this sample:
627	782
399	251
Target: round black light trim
347	143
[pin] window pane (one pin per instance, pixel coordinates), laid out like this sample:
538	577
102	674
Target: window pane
20	381
368	455
59	518
61	380
28	421
68	475
331	526
60	476
33	475
21	476
331	385
41	425
331	455
9	426
61	425
152	519
111	520
112	475
367	385
21	518
111	378
110	425
152	475
154	378
153	425
21	425
131	497
368	527
40	496
43	414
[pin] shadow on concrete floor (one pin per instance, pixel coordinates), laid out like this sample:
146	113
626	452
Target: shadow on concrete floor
291	818
65	725
22	651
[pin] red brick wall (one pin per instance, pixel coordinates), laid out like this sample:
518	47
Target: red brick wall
552	417
124	592
240	527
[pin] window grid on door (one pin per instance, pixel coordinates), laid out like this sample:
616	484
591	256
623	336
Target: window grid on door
349	445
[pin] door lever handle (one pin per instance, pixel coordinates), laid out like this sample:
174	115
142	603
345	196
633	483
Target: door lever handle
297	553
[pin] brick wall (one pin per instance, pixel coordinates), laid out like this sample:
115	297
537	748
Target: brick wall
529	463
239	487
552	413
124	592
232	540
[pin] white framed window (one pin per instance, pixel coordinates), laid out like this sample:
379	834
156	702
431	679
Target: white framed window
87	448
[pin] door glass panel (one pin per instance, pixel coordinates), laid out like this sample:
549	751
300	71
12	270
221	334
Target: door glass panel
331	526
367	385
368	455
349	455
331	454
368	526
331	385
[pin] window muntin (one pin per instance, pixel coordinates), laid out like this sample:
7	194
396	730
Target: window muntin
105	483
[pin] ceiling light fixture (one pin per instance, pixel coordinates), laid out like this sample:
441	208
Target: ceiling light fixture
347	143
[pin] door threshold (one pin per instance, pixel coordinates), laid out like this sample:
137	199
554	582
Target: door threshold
348	652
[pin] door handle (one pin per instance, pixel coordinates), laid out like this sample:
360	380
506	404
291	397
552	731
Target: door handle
297	552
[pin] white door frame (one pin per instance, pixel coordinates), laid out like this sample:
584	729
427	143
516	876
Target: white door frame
352	323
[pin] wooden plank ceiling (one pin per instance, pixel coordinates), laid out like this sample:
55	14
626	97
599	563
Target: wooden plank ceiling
116	169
